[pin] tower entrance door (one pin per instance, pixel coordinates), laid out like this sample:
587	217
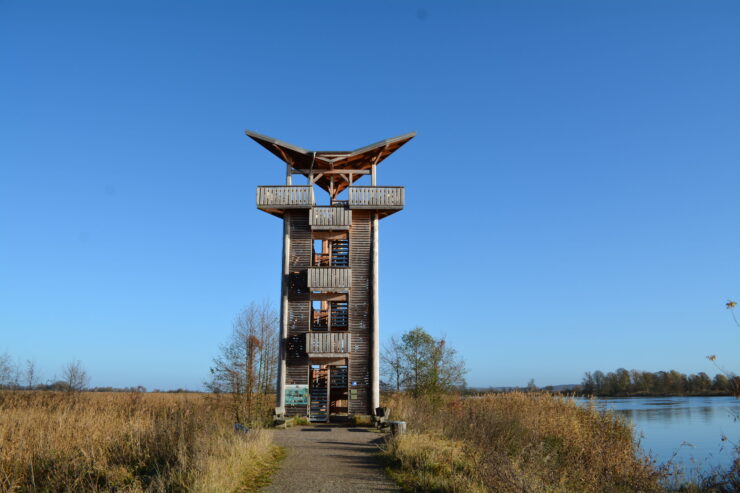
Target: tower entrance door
328	389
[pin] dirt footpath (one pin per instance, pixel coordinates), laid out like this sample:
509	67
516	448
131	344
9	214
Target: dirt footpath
329	459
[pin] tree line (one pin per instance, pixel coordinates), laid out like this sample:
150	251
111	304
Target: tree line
26	376
624	382
73	377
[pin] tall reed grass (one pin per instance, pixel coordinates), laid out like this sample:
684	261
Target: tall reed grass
515	442
133	442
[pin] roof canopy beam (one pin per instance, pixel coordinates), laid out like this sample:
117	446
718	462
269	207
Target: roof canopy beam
332	170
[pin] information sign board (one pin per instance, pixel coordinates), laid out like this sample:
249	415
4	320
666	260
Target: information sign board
296	395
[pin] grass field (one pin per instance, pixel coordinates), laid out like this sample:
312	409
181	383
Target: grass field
515	442
132	442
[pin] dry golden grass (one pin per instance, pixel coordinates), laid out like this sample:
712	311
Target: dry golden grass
427	462
126	442
516	442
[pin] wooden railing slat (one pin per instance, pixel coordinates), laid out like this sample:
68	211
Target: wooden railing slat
330	218
285	196
331	342
382	197
329	277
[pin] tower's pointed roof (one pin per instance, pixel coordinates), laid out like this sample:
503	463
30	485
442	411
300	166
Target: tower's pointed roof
304	160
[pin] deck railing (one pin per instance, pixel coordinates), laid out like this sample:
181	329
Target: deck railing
285	197
376	197
327	342
330	218
326	278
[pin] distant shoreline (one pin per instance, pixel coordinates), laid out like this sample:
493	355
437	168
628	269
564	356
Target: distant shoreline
576	393
623	396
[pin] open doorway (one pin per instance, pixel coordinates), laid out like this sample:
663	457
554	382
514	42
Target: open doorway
328	388
329	312
330	249
338	398
318	409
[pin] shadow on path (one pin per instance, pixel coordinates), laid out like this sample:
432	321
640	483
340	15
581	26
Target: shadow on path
344	460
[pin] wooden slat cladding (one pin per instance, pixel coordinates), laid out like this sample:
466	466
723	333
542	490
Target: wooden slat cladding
329	277
285	197
327	342
299	305
359	311
330	218
376	197
297	371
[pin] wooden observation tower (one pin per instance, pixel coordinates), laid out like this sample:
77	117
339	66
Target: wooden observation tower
329	349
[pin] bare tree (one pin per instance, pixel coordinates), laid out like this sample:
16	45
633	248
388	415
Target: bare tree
8	372
246	365
31	375
393	363
74	376
266	374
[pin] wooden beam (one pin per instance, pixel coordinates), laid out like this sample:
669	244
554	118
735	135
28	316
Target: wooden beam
380	154
329	235
332	171
328	297
282	153
339	359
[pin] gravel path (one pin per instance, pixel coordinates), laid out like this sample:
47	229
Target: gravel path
329	459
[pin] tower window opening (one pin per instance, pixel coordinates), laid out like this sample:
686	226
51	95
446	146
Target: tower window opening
331	253
319	315
330	314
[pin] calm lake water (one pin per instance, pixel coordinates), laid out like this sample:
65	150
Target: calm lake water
691	428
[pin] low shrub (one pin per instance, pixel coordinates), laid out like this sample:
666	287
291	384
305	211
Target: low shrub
360	420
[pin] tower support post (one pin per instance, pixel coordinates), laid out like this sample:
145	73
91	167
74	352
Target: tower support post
280	394
375	342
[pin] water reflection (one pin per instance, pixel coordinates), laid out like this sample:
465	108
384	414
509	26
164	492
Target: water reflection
687	430
704	414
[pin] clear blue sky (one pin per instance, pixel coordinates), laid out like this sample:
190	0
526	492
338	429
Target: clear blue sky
572	191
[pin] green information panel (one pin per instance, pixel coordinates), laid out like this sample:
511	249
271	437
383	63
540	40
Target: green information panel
296	395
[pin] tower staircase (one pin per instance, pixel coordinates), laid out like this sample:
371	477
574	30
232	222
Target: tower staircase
319	398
